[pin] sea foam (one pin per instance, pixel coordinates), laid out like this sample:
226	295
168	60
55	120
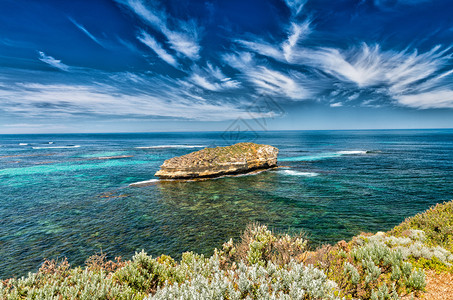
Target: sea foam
144	183
352	152
299	173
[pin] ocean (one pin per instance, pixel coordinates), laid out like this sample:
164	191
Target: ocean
69	195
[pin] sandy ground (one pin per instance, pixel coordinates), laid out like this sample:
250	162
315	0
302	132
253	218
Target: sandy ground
439	286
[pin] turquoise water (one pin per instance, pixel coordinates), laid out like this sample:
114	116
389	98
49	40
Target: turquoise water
69	195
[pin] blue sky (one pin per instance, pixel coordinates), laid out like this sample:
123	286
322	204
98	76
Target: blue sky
138	65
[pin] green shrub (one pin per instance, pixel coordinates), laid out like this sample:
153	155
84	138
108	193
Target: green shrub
371	269
437	223
416	280
412	248
259	245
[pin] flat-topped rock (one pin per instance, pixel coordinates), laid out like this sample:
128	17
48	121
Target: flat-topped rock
240	158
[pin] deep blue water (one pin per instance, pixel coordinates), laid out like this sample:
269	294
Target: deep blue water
58	200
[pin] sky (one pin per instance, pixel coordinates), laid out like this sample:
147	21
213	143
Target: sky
214	65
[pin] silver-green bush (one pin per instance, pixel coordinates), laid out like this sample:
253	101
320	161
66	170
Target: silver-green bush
291	281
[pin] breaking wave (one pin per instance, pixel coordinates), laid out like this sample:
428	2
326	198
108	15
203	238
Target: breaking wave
144	183
299	173
58	147
352	152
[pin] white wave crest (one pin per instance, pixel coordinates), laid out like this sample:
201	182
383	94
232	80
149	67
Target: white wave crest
143	183
23	144
170	146
352	152
299	173
58	147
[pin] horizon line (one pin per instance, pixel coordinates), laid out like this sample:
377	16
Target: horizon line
218	131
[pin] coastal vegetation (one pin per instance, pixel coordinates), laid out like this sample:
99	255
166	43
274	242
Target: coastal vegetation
265	265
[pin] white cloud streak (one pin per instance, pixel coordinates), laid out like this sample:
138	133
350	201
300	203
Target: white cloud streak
56	63
276	83
442	98
369	66
212	78
152	18
26	125
287	50
295	6
297	33
149	41
184	42
266	80
183	39
87	33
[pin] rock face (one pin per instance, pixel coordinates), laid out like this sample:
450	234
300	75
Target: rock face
213	162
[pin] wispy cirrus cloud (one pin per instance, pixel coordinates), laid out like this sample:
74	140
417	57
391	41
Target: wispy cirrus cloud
56	63
24	125
369	66
295	6
153	97
398	76
419	80
183	38
212	78
442	98
155	18
297	33
185	42
284	51
277	83
129	45
267	80
87	33
336	104
149	41
393	74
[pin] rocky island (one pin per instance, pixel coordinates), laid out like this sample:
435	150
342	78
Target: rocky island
236	159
